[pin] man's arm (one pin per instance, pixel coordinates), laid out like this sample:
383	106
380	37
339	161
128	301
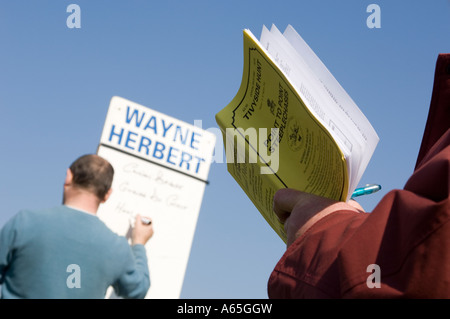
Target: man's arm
316	228
135	281
406	235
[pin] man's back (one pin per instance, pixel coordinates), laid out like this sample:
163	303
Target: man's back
66	253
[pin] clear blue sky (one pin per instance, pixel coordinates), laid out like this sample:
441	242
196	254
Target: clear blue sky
184	59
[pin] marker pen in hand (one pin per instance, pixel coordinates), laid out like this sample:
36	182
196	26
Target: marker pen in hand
146	220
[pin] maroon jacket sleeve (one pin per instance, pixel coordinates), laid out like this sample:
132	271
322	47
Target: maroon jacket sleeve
406	236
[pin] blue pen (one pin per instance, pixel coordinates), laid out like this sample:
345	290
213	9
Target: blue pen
368	189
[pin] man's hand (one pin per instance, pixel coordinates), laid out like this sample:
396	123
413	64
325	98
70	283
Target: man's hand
141	232
299	211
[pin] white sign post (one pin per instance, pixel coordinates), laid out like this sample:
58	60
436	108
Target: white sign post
161	167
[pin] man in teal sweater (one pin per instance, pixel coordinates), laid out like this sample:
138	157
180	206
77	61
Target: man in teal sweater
66	251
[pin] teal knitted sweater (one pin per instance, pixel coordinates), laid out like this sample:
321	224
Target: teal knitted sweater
65	253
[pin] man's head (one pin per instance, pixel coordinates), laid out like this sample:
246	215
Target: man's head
91	173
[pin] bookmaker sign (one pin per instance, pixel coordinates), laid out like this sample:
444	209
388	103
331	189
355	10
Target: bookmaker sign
161	167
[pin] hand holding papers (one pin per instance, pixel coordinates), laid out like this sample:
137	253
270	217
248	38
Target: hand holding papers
292	125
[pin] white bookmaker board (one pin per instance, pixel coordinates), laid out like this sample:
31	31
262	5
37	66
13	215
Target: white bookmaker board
161	167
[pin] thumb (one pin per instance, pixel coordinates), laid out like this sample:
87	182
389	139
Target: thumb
284	202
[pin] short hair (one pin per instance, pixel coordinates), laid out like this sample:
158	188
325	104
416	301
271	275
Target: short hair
92	173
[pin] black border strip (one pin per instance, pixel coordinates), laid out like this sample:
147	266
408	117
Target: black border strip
149	161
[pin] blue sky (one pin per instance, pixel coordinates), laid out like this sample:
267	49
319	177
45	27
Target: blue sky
184	59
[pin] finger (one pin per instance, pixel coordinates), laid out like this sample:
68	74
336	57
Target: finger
284	201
